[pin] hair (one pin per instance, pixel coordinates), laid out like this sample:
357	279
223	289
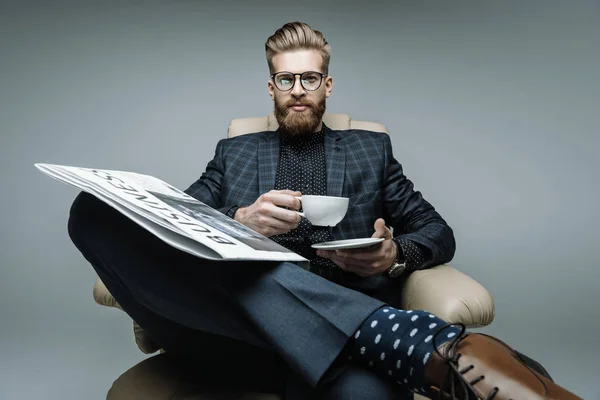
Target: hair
295	36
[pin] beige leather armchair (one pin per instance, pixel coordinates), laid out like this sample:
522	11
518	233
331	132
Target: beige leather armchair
442	290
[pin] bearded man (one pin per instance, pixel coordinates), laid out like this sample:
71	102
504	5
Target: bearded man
332	323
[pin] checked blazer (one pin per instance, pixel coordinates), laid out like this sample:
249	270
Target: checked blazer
360	165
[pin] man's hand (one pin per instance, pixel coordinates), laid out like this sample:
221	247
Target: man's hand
267	215
368	261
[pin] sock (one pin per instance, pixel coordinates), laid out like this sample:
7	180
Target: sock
398	343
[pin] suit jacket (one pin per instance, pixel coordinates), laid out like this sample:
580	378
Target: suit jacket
360	165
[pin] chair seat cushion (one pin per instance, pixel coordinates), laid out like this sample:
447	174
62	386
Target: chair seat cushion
163	377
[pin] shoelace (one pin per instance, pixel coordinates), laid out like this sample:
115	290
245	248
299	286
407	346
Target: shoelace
454	374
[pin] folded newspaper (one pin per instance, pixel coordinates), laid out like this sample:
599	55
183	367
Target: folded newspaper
173	216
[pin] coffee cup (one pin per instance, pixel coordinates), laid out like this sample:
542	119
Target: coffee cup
323	210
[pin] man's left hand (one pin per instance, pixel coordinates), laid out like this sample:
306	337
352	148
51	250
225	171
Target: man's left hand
368	261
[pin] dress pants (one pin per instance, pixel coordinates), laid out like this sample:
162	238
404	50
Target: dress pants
242	321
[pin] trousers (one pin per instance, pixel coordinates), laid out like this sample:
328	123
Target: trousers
247	321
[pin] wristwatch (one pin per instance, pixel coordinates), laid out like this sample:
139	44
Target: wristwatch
399	265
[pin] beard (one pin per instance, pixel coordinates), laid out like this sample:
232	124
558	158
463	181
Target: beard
299	122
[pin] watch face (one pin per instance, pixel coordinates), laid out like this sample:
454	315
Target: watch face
397	270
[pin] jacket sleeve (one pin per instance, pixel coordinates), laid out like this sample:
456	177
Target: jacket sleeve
412	217
207	188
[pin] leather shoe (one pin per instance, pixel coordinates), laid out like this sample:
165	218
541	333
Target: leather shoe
476	366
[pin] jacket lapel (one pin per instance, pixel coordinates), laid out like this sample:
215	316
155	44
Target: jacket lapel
268	157
335	159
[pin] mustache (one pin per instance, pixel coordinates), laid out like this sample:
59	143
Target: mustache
292	103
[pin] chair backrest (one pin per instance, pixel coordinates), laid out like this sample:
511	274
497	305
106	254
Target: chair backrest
242	126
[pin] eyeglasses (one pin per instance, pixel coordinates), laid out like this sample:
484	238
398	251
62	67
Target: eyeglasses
309	80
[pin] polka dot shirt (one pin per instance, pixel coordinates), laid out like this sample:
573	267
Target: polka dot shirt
302	167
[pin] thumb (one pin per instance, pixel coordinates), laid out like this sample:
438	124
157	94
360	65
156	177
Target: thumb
381	231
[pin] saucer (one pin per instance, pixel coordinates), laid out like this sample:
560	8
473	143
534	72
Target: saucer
347	244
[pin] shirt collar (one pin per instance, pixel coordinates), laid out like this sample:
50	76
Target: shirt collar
303	139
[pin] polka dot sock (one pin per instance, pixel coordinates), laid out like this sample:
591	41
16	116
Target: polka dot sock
397	344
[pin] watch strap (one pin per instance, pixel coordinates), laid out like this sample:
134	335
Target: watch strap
231	212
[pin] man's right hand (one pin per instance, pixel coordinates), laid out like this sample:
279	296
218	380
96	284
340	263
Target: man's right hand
267	215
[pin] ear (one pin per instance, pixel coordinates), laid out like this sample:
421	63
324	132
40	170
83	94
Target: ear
271	89
328	86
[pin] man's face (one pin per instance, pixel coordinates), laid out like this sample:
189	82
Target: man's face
299	110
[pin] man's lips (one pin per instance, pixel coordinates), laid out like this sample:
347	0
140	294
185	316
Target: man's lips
299	107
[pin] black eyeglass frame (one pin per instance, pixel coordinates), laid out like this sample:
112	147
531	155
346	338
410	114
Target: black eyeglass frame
300	75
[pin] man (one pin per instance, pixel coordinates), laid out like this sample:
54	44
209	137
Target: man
334	324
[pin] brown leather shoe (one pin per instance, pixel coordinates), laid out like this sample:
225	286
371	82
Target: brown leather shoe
477	366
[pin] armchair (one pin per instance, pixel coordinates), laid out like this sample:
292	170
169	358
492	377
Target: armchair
442	290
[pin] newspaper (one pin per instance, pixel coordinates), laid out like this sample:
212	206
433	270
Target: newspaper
172	215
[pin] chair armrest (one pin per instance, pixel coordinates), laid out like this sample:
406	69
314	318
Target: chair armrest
103	297
449	294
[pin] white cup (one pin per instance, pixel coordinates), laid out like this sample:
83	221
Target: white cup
323	210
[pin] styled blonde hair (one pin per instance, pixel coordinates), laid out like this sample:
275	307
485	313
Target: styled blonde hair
295	36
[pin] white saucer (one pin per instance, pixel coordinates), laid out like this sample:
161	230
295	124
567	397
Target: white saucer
347	244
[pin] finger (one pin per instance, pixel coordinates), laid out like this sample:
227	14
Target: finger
359	258
381	231
284	200
275	224
364	260
375	263
287	191
326	253
355	269
287	216
332	255
352	261
357	255
277	217
346	266
341	265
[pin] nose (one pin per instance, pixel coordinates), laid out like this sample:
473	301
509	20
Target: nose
298	90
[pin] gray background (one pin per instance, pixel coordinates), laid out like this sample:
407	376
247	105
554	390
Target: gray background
492	108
